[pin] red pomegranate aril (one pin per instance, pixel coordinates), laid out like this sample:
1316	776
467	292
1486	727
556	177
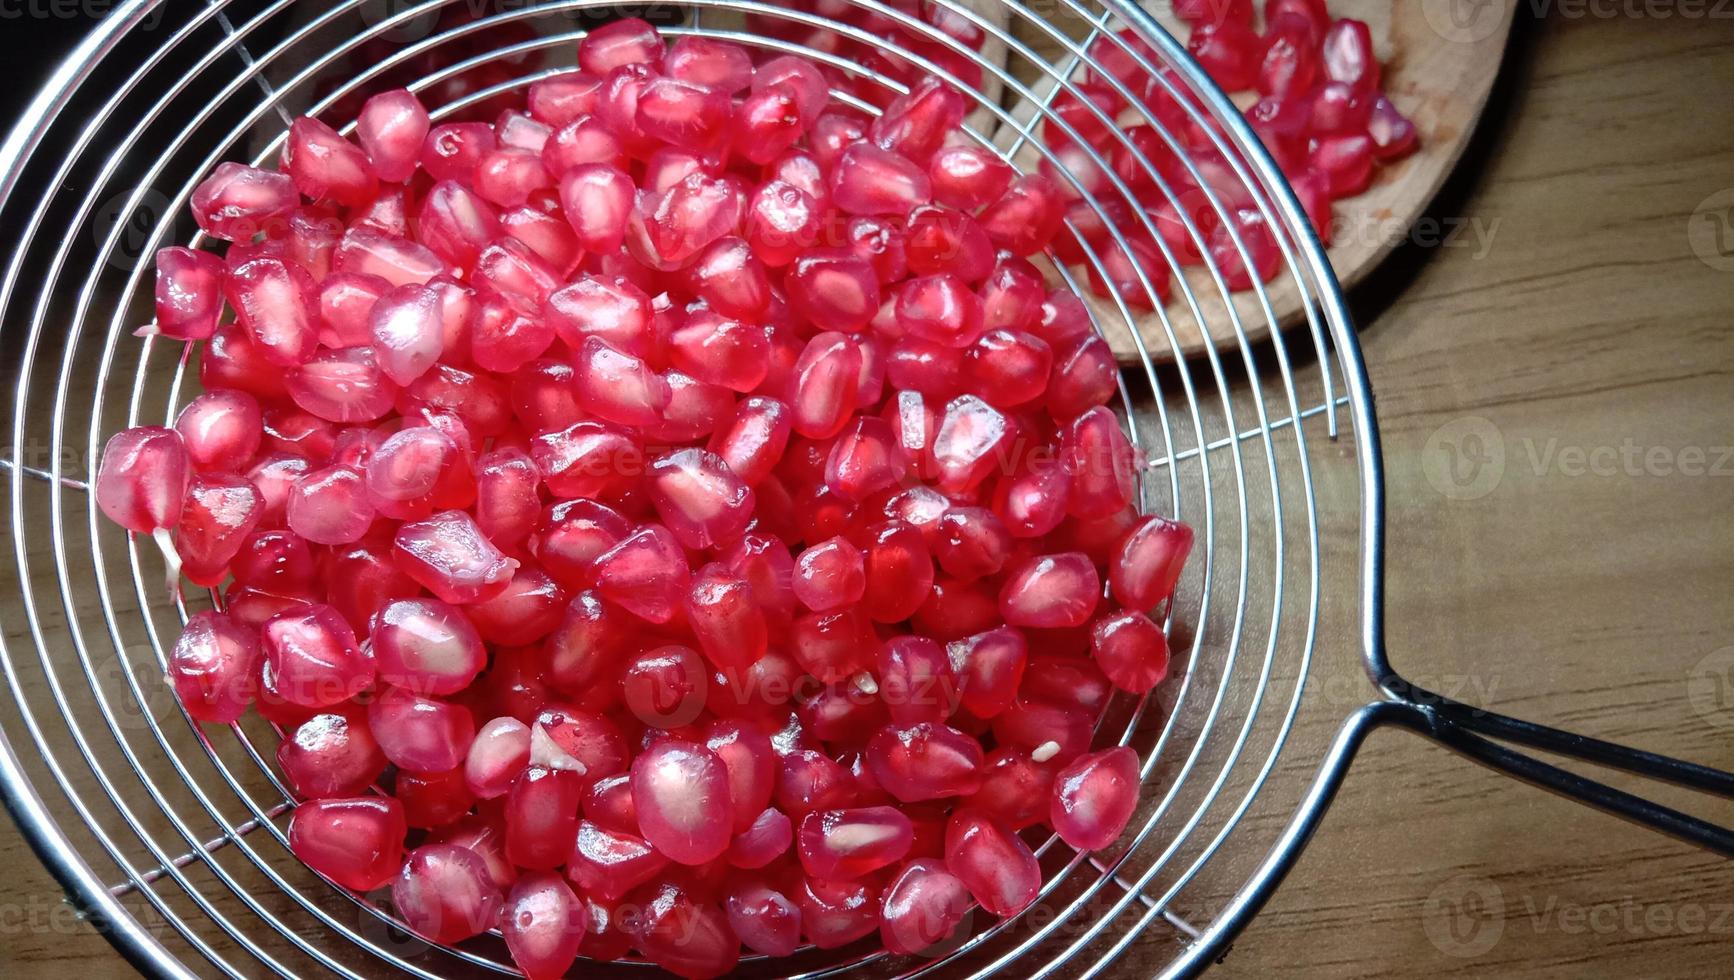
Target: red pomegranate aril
694	410
415	470
628	41
942	240
570	738
865	459
421	734
610	863
683	933
433	799
274	559
507	176
456	223
925	761
237	202
189	294
847	844
1393	134
1094	797
691	214
277	302
752	443
699	498
508	504
391	128
1033	501
449	555
834	289
823	390
356	842
346	385
923	905
782	221
832	646
497	756
584	140
1147	566
1085	375
1051	591
765	563
766	123
989	667
870	180
729	278
968	177
312	654
287	429
327	167
1131	650
717	350
618	386
543	924
679	788
330	755
646	574
1101	460
330	506
1289	64
1008	367
1346	163
219	516
214	668
559	99
1338	110
829	575
608	804
528	609
968	443
998	868
800	77
766	920
1229	51
1347	52
395	259
766	839
426	646
836	913
1026	217
941	309
970	542
725	618
1014	788
445	895
542	817
1260	247
915	680
664	687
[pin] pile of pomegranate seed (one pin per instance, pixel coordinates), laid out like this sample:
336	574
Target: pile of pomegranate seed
675	517
1320	112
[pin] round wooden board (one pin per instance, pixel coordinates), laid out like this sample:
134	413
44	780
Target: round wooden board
1440	58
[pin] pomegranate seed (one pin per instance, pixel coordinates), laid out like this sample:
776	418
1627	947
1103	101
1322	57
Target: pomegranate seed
430	800
725	618
330	506
327	167
584	140
392	127
1347	51
1289	64
846	844
1014	787
218	517
968	443
427	647
415	470
313	658
1131	650
923	905
528	609
646	574
610	863
596	198
1147	566
765	563
870	180
608	804
1337	109
1051	591
421	734
767	921
717	350
997	868
356	842
989	667
189	294
832	646
754	441
664	687
274	559
1026	217
277	303
800	77
684	113
834	289
508	505
1346	163
499	753
693	213
782	221
1101	461
916	123
1229	51
445	895
684	935
768	122
836	913
543	924
823	390
236	203
1032	503
915	680
943	240
700	499
970	542
765	840
628	41
1084	376
618	386
330	755
142	482
456	223
395	259
678	787
344	385
1008	367
542	817
865	459
925	761
214	667
968	177
747	755
1094	798
829	575
612	310
1394	137
449	555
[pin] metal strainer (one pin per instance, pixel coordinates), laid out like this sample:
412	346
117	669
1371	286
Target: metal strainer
170	839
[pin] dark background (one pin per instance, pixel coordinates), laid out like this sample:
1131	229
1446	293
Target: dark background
32	42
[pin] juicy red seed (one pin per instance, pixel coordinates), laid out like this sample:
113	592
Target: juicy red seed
236	202
426	646
1131	650
834	289
1229	51
729	278
421	734
646	574
684	935
768	122
313	658
618	386
846	844
451	556
356	842
1008	367
1149	563
392	127
998	868
445	895
609	863
968	443
610	309
679	787
543	924
753	442
1033	502
277	302
829	575
330	506
189	294
925	761
767	921
822	391
836	913
923	905
968	177
720	351
214	668
327	167
915	680
218	518
869	180
699	498
346	385
142	482
971	542
499	753
832	646
664	687
1051	591
725	617
765	840
942	240
330	755
1094	798
1026	217
989	668
623	42
1014	787
542	817
782	222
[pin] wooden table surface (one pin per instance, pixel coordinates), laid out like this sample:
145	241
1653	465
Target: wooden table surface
1584	321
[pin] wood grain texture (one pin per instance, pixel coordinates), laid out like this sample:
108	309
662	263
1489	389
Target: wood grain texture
1579	317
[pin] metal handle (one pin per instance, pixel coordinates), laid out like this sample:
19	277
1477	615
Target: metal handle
1470	730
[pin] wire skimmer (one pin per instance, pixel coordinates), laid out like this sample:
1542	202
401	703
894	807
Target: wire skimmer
170	839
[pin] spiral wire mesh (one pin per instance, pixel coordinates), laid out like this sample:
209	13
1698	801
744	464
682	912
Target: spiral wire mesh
171	837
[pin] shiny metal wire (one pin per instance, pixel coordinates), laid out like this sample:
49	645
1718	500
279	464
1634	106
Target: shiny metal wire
171	838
